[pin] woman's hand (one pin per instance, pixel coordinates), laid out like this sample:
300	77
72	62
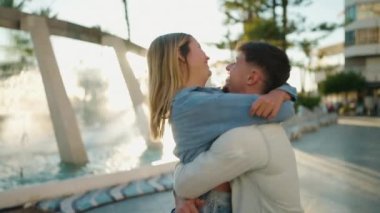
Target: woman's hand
268	105
188	205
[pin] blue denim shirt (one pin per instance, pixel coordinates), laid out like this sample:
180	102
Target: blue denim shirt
200	114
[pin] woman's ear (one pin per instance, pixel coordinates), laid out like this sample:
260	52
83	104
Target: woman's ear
181	58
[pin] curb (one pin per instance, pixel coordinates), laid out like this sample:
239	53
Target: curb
104	196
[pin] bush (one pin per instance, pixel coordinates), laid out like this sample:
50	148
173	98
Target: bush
308	101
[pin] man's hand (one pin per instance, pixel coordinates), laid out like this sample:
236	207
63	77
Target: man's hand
267	106
188	205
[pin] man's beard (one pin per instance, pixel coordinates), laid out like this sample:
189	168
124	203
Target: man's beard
225	89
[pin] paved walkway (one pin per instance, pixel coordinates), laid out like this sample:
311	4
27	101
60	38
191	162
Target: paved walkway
339	169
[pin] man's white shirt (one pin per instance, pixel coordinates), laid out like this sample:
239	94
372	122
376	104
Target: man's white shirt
259	163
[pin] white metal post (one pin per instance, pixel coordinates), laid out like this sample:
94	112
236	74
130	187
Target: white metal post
65	125
133	86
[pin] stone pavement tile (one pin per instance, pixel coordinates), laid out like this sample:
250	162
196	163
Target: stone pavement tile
358	145
158	203
331	192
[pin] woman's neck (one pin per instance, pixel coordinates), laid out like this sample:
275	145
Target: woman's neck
194	83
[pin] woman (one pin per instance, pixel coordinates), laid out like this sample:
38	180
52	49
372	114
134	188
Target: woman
178	72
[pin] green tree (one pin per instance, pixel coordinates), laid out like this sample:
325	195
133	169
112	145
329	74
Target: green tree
342	82
247	13
47	12
21	48
269	20
8	69
263	19
288	26
307	45
21	45
12	4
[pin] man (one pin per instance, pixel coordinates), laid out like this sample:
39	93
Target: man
258	161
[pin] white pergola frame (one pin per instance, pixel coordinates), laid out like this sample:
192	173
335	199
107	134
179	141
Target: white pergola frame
65	125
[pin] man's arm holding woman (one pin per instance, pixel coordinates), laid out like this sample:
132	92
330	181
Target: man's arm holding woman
232	154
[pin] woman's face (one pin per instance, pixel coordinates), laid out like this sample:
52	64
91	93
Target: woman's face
197	63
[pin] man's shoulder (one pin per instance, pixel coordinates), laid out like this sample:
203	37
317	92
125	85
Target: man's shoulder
250	134
244	135
273	130
253	129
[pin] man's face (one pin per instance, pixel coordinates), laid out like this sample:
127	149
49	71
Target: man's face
239	72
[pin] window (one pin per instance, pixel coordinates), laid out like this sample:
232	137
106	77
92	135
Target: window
349	38
368	10
350	14
373	36
367	36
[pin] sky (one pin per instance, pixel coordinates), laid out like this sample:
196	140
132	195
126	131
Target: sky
201	18
150	18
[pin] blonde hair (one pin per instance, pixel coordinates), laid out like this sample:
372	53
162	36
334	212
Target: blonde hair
165	77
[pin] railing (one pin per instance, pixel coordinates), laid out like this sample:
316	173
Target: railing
11	18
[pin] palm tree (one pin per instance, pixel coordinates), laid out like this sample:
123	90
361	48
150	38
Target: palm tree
11	68
306	46
21	44
47	12
127	19
12	4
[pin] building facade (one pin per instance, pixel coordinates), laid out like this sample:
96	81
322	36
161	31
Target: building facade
329	60
362	47
362	39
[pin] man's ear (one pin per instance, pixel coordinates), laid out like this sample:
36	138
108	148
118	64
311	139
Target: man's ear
253	78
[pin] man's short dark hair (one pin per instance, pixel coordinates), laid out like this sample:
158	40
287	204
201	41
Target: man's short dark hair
274	62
